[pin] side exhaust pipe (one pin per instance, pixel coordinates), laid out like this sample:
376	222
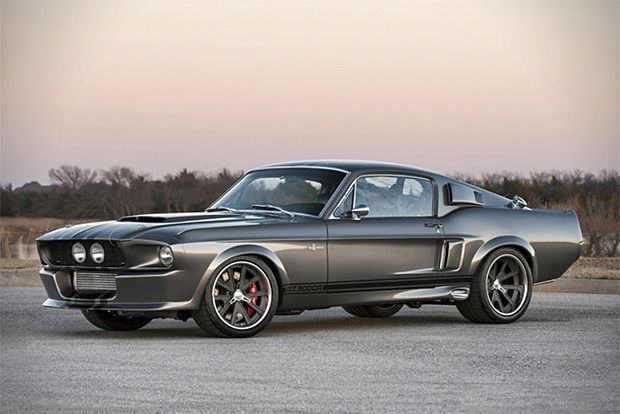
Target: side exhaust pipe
455	293
459	294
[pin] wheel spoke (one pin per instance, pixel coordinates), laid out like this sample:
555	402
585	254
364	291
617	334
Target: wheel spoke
245	285
245	315
506	276
495	297
256	308
508	298
252	295
230	285
225	308
513	287
221	297
233	317
502	269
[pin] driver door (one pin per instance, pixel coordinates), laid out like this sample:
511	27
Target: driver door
397	244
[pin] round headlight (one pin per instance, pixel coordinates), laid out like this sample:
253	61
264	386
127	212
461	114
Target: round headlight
78	252
97	253
165	255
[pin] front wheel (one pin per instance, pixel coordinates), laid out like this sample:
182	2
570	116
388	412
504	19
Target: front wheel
112	321
501	290
373	311
240	299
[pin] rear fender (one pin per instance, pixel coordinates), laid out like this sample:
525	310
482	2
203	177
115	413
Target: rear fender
506	241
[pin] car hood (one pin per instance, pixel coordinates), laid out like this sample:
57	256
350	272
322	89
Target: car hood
162	227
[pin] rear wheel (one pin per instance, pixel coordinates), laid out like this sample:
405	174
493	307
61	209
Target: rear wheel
501	290
112	321
373	311
240	299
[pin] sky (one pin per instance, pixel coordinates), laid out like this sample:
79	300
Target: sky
468	87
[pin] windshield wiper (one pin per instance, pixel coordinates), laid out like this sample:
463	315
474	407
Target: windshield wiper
273	208
227	209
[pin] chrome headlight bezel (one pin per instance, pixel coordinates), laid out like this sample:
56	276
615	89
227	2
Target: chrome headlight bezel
97	253
78	252
166	255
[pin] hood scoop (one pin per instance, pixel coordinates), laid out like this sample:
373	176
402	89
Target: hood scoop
169	217
144	219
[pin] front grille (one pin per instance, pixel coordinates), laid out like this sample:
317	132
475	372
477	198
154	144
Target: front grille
94	282
59	253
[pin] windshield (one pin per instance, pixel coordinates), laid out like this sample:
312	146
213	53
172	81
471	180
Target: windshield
298	190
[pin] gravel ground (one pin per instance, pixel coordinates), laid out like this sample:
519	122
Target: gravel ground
562	356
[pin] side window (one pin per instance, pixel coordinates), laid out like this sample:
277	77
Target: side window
346	205
390	196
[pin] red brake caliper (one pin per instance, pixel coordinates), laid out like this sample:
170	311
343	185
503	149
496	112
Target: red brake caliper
253	289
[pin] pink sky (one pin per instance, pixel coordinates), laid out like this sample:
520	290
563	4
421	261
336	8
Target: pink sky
451	86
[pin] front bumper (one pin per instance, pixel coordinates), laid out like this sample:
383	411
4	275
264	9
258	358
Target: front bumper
152	291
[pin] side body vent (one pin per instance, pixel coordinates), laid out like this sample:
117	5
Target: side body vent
451	255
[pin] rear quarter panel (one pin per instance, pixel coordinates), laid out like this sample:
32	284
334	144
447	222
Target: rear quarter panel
550	237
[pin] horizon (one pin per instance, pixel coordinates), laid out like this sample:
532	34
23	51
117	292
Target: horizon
453	87
214	172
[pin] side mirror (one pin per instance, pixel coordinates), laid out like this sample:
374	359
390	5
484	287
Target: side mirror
518	203
359	211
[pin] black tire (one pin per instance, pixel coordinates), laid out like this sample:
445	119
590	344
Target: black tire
373	311
208	316
486	302
110	321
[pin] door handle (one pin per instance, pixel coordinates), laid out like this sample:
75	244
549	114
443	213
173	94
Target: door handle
437	224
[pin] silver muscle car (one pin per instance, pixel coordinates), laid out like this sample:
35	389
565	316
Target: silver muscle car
370	237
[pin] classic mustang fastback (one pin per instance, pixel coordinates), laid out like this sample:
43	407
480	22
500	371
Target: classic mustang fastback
370	237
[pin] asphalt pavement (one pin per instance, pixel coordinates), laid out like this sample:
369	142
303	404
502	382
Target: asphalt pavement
562	356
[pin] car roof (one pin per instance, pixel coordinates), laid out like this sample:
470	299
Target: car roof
354	166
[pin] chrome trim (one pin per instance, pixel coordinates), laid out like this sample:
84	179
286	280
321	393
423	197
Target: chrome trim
312	167
346	195
354	183
545	282
459	294
456	293
518	203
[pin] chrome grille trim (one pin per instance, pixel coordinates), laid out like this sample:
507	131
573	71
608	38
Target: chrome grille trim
94	281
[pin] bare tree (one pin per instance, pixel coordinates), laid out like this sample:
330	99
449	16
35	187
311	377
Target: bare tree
72	177
126	192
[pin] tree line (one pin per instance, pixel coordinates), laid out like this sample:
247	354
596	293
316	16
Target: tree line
81	193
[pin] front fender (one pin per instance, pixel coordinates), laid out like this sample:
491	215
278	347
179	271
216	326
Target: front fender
505	241
240	250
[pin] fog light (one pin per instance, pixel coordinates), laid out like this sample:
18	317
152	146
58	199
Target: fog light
78	252
165	255
97	253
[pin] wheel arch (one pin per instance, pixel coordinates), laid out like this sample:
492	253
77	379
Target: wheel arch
521	245
260	252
